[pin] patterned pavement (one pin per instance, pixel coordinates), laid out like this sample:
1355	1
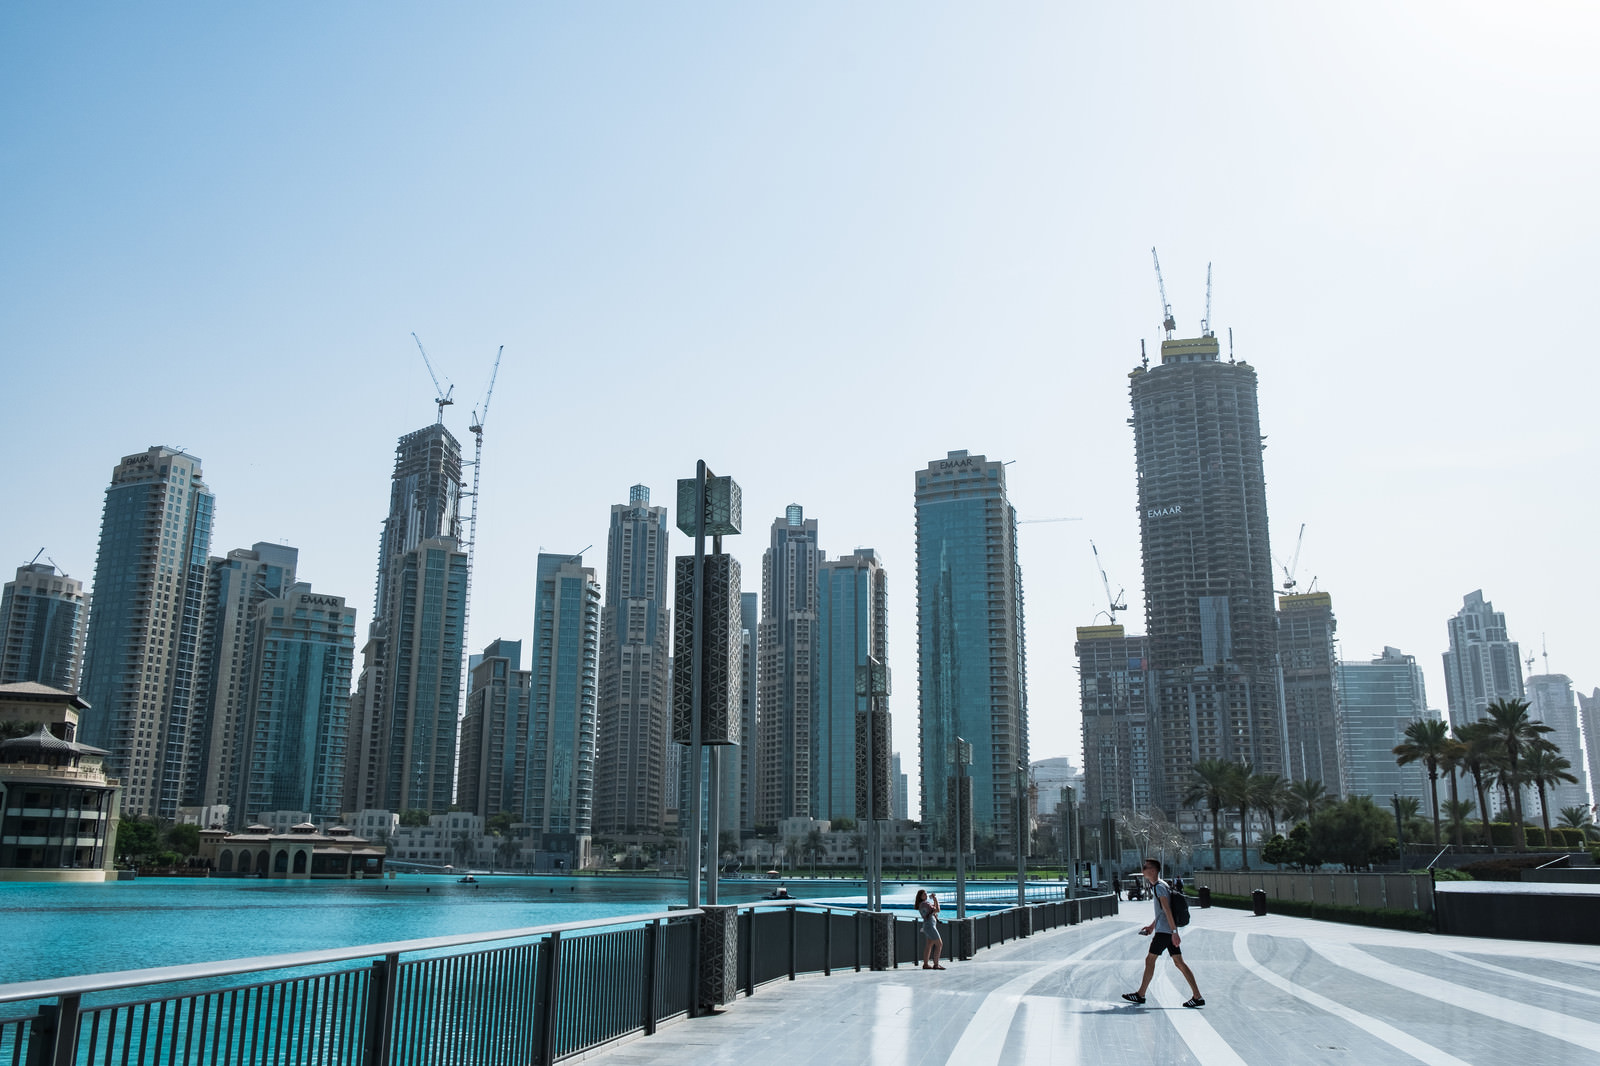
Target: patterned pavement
1278	990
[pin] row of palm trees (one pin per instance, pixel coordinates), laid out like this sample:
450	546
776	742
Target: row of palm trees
1505	749
1235	786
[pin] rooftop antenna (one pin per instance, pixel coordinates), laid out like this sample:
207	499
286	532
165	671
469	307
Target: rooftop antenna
1144	357
1230	344
1544	646
1168	323
444	399
1205	323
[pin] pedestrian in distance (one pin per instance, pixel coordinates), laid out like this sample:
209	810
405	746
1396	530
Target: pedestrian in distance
1163	933
932	943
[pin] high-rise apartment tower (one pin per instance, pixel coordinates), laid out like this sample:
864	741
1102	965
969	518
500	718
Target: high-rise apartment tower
43	616
1483	665
565	660
1310	659
852	624
635	652
787	665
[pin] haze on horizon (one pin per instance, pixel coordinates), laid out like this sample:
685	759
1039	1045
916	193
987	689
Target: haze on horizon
819	248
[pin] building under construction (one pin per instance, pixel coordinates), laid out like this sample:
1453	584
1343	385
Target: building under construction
1113	683
1310	659
1210	618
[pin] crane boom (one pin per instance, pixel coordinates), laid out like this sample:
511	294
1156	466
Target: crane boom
444	399
478	419
1168	323
1113	603
1294	564
1205	323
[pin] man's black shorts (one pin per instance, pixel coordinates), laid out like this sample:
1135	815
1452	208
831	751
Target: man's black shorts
1160	942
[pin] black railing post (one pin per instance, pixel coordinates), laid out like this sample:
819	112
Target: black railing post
53	1036
549	991
827	942
694	966
794	941
380	1010
750	953
650	939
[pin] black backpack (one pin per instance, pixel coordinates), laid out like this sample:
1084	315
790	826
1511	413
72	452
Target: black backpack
1180	906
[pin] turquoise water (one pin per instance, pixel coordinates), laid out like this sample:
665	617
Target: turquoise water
70	930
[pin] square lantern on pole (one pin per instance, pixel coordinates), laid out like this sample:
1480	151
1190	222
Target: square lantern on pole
724	506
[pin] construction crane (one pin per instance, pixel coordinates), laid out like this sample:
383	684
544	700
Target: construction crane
444	399
1168	323
1031	521
479	416
1205	323
1113	603
1294	564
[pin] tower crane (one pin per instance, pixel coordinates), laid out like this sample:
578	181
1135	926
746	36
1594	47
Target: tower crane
444	399
1294	564
1168	323
1113	603
1031	521
480	415
1205	323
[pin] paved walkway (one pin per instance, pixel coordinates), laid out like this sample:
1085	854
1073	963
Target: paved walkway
1278	991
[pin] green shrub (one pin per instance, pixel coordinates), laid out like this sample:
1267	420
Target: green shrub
1534	836
1378	917
1508	868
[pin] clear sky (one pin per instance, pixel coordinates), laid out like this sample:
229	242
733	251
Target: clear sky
819	245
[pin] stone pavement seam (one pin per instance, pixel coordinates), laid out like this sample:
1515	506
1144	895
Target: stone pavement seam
1584	1034
1535	978
1396	1038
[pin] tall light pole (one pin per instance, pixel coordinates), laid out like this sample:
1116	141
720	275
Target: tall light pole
1022	833
1066	819
961	755
872	770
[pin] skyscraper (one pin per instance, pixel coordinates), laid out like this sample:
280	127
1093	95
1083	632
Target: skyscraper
1378	699
971	665
1118	745
566	645
1589	714
1209	613
746	750
43	616
1550	701
787	664
144	634
235	587
1306	628
494	733
852	624
294	729
1482	665
636	647
401	752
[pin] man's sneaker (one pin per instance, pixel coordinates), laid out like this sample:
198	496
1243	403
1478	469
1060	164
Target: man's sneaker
1194	1002
1133	997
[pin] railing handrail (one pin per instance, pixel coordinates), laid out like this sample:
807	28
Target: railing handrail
160	975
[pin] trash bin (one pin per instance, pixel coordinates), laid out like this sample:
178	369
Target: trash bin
1205	896
1258	900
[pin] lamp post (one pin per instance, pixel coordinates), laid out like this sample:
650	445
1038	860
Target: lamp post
1399	828
1022	833
1065	810
872	770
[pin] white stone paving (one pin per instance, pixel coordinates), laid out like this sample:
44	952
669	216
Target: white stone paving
1278	990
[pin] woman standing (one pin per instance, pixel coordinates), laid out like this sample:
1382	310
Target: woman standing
933	944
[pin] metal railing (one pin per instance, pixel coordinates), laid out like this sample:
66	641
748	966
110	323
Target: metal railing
534	995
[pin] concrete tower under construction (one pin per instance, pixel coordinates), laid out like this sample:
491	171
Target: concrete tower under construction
1209	612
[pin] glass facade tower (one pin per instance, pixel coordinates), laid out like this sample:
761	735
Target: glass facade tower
144	635
971	666
565	662
852	624
787	666
1378	700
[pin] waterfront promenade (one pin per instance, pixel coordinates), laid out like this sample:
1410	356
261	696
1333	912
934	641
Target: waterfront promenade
1278	991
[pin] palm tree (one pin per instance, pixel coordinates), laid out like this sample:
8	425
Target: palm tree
1270	794
1545	767
1207	786
1450	762
1306	798
1514	729
1238	795
1479	747
1579	818
1427	740
1458	811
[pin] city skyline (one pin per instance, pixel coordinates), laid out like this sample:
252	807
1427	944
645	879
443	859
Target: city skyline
774	225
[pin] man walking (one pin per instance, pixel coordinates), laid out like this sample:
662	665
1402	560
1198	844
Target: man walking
1165	938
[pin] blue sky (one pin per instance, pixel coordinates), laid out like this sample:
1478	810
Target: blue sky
819	246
